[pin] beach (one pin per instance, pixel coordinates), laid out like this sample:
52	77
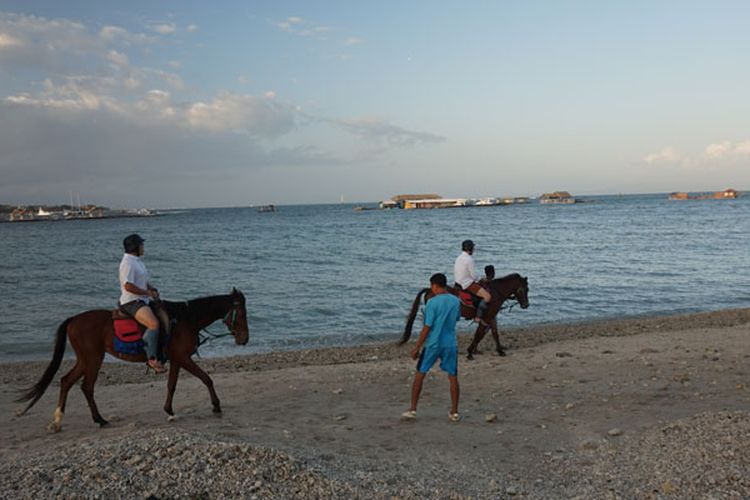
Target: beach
642	407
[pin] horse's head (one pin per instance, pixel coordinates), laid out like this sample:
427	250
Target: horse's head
236	318
522	292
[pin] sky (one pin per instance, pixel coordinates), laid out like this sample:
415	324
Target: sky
189	104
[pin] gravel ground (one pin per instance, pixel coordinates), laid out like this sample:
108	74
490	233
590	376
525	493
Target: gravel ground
705	456
638	408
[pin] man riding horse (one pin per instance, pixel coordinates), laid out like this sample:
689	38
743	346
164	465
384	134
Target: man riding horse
137	297
467	279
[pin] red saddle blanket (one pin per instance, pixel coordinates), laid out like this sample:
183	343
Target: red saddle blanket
466	298
128	330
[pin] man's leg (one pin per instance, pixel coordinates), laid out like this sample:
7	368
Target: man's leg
146	317
416	390
455	391
484	296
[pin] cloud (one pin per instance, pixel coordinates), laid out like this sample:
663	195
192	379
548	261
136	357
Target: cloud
117	159
353	40
666	155
253	115
376	130
192	28
302	27
8	41
727	150
715	154
165	28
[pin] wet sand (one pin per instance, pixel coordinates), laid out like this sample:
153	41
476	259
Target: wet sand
634	407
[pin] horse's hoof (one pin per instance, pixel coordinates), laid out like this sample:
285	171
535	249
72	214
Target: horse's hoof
103	423
53	427
501	352
470	356
171	418
217	412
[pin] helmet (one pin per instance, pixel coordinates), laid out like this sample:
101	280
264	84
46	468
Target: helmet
132	242
467	246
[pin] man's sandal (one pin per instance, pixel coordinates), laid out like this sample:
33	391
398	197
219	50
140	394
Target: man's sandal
409	415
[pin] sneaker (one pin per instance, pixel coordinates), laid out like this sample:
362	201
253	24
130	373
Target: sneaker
409	415
155	365
454	417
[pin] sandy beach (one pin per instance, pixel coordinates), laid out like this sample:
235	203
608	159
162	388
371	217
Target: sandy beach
645	407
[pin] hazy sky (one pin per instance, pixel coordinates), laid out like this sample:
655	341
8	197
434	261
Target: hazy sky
179	104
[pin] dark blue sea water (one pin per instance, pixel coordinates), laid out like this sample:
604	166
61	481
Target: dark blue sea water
326	275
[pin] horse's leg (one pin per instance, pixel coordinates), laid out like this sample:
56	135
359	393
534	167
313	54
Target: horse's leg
66	383
496	336
89	379
478	336
195	370
174	371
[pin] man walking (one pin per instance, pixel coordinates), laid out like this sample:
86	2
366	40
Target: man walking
438	336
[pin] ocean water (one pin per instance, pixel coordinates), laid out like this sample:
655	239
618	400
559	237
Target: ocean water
322	275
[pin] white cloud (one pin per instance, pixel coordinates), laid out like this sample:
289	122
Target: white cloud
165	28
191	28
254	115
117	34
118	58
353	40
392	135
715	154
7	41
302	27
666	155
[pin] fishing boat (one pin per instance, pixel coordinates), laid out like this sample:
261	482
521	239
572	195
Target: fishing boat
266	208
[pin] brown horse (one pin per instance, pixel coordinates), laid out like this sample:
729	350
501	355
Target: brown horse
511	287
91	335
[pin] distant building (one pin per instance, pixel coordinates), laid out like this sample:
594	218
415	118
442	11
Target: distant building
435	203
557	197
727	194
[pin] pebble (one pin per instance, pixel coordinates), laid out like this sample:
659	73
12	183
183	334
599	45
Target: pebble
615	432
489	418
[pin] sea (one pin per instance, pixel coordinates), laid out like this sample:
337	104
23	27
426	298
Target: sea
327	275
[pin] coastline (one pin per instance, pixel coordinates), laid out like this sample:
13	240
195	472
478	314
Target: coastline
27	372
638	407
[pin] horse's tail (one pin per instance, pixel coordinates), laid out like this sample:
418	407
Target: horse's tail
412	317
35	392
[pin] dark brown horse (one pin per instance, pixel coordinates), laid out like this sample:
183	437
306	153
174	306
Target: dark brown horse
91	335
511	287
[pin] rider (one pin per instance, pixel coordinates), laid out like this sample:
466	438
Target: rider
466	278
137	294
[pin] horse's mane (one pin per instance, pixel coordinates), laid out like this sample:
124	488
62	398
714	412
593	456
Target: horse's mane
189	309
508	277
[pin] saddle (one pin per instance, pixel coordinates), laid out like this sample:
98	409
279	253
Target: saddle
129	333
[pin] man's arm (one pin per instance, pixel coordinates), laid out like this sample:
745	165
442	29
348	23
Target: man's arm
420	341
151	292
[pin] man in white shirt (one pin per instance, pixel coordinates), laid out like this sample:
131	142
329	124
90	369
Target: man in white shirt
136	295
466	277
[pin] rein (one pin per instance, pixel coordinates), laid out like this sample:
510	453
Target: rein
204	335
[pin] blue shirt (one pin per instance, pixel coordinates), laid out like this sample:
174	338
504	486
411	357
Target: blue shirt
441	314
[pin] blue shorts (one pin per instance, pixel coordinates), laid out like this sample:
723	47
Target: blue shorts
448	359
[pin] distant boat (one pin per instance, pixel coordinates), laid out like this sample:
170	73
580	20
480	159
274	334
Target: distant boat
266	208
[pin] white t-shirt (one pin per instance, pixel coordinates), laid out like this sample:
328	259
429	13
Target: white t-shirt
463	270
132	270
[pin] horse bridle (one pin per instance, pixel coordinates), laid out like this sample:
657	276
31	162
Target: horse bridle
230	318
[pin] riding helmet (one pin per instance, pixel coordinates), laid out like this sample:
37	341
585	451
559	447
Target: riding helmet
132	242
467	246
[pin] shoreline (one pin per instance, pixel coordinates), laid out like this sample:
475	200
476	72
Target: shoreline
115	371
